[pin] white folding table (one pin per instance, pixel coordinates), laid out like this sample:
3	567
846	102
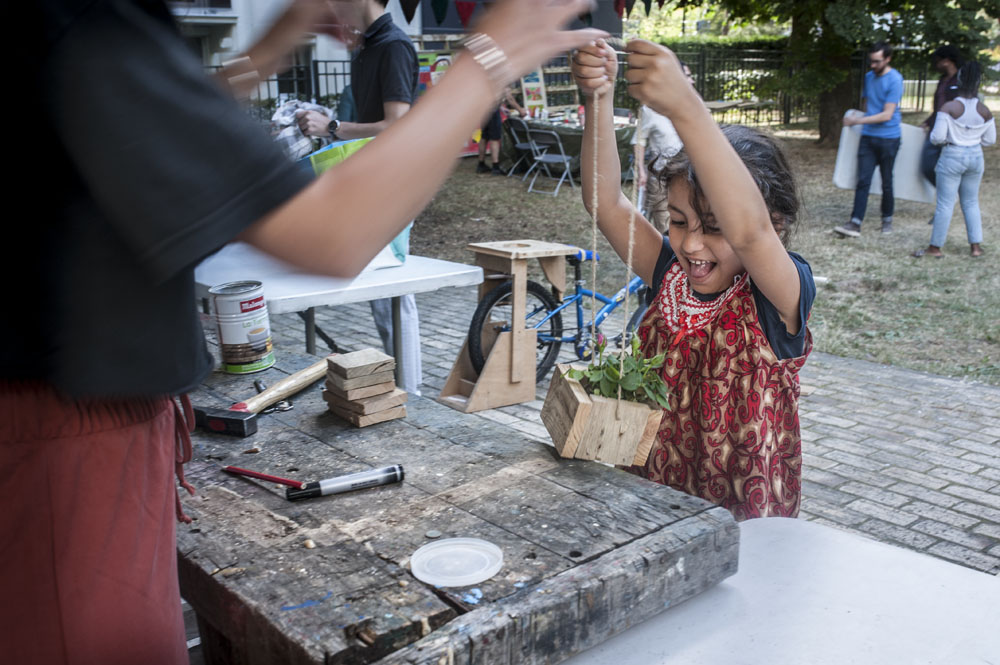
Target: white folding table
809	593
289	289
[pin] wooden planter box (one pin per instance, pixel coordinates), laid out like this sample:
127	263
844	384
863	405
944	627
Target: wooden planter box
586	426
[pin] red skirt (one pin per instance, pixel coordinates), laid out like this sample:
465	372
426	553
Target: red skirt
88	562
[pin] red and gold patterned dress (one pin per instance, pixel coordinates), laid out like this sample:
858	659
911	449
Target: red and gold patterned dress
733	435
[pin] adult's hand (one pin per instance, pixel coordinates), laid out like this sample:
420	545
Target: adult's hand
530	32
313	123
595	67
657	80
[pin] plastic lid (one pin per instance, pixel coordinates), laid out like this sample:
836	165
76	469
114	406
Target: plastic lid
456	562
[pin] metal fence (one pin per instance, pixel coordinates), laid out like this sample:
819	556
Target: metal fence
742	85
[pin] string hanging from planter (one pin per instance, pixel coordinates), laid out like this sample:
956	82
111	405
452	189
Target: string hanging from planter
641	143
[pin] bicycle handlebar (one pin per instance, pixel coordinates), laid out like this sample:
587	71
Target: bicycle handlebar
585	255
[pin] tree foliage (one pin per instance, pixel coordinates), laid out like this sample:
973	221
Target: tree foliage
825	34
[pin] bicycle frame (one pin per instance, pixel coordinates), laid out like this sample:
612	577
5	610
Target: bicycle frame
582	330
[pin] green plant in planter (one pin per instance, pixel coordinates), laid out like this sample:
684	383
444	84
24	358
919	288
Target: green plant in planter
638	377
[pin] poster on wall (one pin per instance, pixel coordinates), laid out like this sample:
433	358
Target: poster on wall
432	66
533	90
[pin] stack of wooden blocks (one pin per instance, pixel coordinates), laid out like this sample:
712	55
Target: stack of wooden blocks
361	388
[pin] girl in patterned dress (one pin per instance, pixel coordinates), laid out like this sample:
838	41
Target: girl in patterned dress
731	302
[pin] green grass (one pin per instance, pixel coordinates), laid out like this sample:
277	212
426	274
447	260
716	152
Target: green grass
875	302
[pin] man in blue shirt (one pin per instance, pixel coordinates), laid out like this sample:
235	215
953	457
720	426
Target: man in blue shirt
883	91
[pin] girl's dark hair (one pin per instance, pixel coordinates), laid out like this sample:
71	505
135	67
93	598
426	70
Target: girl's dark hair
968	79
766	162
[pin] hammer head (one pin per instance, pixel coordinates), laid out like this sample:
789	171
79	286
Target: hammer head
226	421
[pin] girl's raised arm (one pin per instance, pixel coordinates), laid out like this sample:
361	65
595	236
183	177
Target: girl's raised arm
595	68
655	79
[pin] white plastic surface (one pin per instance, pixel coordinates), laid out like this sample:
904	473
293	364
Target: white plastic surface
907	180
811	594
289	289
456	562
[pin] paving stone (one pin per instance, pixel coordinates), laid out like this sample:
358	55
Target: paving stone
922	479
882	512
831	496
828	419
810	461
945	532
853	473
951	462
844	445
898	460
960	478
820	477
858	461
834	513
990	449
925	494
978	510
943	515
985	460
886	532
990	473
874	493
965	556
985	498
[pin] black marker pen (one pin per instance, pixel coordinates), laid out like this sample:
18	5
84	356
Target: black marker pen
354	481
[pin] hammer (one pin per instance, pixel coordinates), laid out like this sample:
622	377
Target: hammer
241	418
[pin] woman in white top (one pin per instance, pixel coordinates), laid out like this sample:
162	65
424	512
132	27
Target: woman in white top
963	125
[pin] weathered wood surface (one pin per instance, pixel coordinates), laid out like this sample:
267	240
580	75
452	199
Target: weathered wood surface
342	384
364	420
588	550
361	363
591	427
367	405
364	391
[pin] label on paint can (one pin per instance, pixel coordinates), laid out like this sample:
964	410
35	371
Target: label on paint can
244	329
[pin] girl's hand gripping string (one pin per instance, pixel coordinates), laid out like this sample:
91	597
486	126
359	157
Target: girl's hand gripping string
656	79
595	67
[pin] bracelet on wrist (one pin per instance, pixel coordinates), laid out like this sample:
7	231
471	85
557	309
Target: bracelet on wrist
492	59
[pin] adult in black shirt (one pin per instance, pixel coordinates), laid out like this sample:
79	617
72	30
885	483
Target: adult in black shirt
384	74
146	167
946	59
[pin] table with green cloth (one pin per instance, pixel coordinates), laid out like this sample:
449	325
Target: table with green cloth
571	135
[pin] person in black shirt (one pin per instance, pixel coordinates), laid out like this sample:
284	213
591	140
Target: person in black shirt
147	167
384	74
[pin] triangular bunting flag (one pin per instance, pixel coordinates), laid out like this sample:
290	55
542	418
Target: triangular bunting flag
440	8
409	8
620	8
659	3
629	4
465	9
649	5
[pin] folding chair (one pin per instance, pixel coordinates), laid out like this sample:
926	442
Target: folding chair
549	140
524	147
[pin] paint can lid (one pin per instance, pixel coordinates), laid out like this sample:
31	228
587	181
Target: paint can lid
455	562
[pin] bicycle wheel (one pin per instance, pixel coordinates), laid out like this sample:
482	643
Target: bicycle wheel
494	313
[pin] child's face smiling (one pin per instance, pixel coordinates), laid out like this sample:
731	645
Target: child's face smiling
707	258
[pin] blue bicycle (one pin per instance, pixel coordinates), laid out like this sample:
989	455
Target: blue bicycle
544	314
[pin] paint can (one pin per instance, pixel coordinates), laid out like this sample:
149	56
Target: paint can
244	329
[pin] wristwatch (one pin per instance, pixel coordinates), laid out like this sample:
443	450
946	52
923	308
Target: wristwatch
333	127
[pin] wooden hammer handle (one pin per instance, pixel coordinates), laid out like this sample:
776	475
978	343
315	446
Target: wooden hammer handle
287	386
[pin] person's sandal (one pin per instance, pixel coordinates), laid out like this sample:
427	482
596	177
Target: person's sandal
920	253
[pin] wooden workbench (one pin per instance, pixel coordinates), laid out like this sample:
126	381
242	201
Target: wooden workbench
588	550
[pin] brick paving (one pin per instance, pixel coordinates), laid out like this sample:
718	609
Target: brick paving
903	457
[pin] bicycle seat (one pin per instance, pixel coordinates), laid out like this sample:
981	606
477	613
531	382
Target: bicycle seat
582	256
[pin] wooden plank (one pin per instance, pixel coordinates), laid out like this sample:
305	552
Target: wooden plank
343	384
519	370
565	412
618	433
359	420
361	363
362	392
367	405
522	249
589	603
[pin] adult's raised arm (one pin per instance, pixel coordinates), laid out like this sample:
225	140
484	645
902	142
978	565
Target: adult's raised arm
338	223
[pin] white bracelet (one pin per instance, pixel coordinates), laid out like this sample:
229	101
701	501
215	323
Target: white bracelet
492	59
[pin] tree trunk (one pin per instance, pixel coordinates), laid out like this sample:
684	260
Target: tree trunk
833	103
